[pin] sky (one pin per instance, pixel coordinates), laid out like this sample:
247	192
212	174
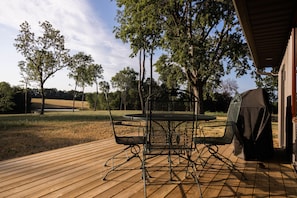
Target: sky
87	26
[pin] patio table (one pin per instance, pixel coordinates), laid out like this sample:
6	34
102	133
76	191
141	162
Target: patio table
167	127
171	131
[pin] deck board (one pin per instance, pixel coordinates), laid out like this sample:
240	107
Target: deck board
77	171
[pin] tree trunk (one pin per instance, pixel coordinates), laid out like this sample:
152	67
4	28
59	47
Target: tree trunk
74	96
151	74
83	98
125	100
26	99
97	96
42	99
198	93
141	79
123	105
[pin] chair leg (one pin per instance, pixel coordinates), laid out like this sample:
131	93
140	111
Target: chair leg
192	164
214	152
115	157
230	164
194	175
199	160
134	149
145	174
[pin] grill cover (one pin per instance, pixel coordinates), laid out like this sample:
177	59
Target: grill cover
254	141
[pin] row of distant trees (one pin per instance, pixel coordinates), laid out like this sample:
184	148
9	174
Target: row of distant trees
218	103
14	99
17	100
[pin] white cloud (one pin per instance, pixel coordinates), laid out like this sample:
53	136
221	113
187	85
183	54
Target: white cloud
82	28
76	20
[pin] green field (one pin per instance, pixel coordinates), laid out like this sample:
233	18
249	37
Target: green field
56	103
25	134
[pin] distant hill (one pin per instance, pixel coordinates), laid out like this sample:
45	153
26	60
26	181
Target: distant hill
59	104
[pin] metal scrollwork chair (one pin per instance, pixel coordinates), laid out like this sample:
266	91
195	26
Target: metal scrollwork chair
171	124
131	143
211	143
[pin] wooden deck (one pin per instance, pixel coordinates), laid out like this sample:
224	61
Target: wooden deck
77	171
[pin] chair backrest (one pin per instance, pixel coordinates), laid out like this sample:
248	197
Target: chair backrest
164	130
122	129
232	117
112	122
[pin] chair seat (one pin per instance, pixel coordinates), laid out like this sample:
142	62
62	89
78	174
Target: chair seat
130	140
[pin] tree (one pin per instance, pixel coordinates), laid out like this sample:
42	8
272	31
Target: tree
228	87
124	80
270	83
202	37
84	72
6	97
26	81
104	87
170	74
44	55
96	71
141	29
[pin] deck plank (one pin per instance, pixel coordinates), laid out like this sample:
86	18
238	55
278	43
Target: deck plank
77	171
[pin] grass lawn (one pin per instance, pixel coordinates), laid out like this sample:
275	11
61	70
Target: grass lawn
25	134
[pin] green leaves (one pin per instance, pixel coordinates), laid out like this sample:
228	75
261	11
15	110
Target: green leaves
124	79
84	71
44	55
6	96
203	38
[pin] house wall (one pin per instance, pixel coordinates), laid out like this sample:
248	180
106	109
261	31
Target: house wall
294	62
282	103
286	95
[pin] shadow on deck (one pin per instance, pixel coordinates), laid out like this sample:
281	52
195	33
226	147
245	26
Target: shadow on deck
77	171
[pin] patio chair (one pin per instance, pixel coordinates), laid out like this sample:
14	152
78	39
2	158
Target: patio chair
212	143
131	143
171	124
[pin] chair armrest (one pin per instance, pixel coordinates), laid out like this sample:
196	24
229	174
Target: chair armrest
132	123
130	127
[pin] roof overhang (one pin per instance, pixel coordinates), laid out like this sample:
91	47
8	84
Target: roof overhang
267	25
